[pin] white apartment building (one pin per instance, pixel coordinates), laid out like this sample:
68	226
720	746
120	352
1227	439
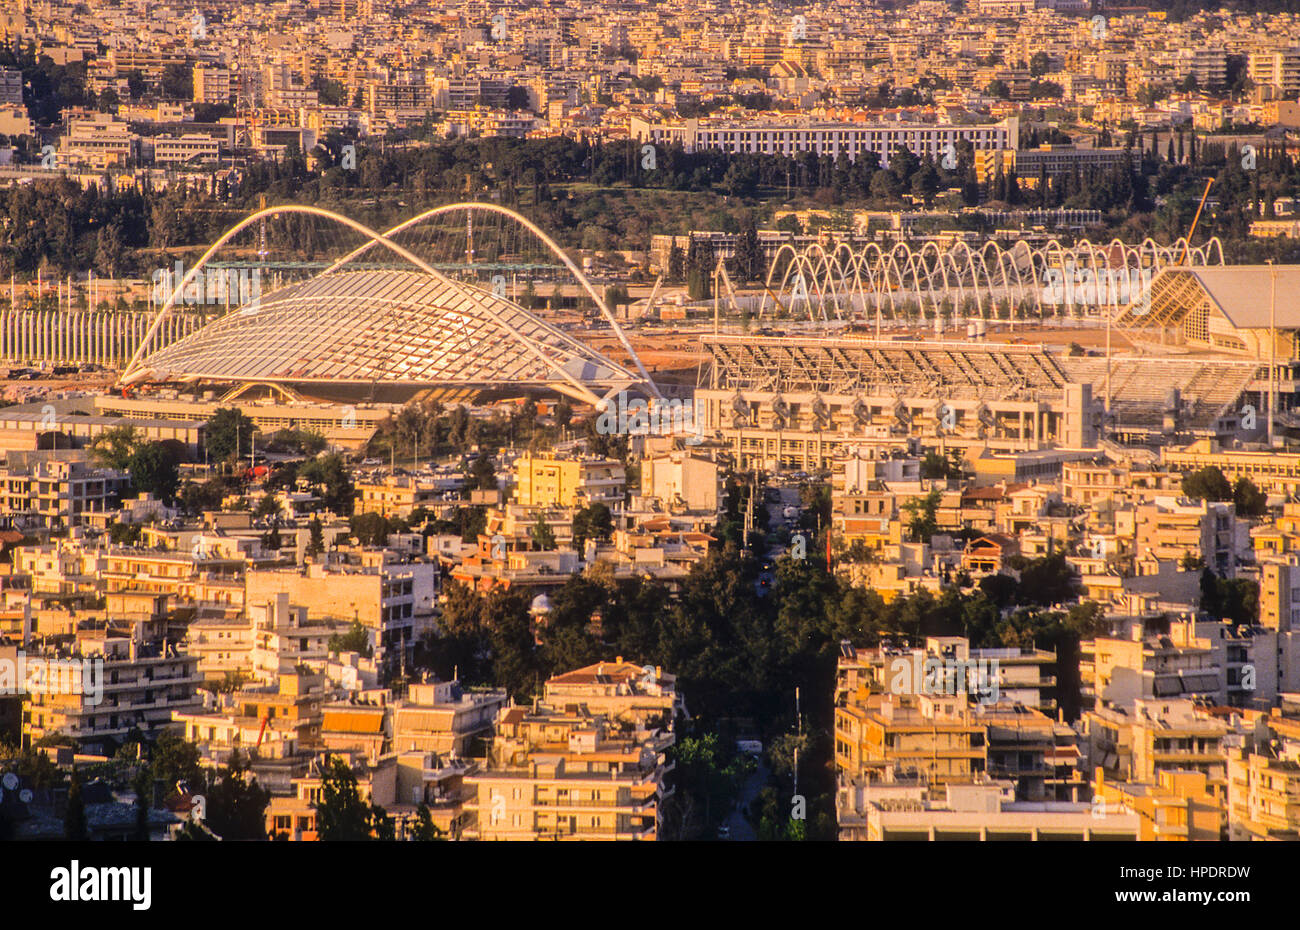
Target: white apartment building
1279	69
973	813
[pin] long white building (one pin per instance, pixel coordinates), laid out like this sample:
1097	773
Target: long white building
788	137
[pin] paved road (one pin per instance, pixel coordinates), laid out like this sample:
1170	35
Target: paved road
738	823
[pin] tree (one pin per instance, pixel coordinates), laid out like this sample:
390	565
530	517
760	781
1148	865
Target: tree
593	521
1048	580
113	447
370	529
329	478
923	522
142	784
749	253
483	474
317	543
74	819
196	498
676	264
936	466
925	182
228	434
1249	500
267	507
1208	484
708	779
541	534
341	814
356	639
236	803
700	263
1232	599
174	760
155	468
425	830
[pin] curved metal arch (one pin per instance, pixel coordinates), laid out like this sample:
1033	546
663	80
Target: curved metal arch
541	235
771	270
352	224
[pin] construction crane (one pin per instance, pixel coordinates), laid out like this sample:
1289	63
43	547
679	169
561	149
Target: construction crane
262	731
1187	245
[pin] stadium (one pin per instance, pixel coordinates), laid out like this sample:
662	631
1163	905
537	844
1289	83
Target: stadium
443	305
385	328
1204	352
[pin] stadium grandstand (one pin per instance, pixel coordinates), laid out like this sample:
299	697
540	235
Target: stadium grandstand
1205	355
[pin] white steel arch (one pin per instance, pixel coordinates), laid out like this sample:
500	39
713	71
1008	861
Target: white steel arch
372	237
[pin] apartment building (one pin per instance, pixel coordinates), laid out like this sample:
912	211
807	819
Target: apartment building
294	815
349	426
1133	744
1279	596
398	495
569	775
212	83
624	692
269	725
223	645
11	86
934	737
1170	529
1178	807
391	595
1263	796
1057	161
982	812
443	717
1116	672
189	147
98	142
143	683
550	479
361	725
1095	482
58	489
682	481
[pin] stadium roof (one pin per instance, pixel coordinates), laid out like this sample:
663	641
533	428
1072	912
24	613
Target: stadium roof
387	327
1240	292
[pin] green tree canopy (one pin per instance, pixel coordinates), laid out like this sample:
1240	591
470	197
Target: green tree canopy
1207	484
155	468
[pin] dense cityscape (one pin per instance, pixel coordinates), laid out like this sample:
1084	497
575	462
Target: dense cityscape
713	421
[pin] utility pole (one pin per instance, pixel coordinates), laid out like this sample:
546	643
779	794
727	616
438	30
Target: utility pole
1272	347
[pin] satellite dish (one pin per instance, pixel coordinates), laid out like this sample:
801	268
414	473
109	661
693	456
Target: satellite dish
10	781
25	795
